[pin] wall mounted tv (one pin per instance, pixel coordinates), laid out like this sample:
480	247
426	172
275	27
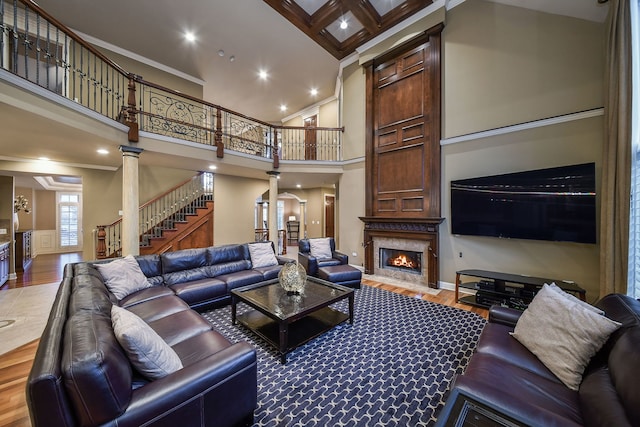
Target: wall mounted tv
557	204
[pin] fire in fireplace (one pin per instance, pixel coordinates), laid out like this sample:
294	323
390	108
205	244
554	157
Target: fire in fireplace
402	260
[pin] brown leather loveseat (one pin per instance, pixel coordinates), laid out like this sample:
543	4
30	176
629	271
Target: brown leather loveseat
504	379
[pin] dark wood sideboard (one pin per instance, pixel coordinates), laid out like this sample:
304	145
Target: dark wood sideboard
23	250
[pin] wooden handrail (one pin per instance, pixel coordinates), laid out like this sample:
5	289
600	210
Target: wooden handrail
174	92
75	37
198	101
155	199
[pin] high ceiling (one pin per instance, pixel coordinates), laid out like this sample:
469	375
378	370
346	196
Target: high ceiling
297	42
259	35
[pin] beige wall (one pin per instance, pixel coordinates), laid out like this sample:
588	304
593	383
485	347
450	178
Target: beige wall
328	115
45	214
350	200
235	199
353	111
504	65
501	66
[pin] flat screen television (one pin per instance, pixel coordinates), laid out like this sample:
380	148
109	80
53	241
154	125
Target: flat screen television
556	204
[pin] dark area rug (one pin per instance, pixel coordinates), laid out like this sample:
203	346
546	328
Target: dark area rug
392	367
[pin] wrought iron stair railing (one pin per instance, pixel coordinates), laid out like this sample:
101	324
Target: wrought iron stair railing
158	215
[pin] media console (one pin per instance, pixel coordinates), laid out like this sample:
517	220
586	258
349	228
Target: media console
509	290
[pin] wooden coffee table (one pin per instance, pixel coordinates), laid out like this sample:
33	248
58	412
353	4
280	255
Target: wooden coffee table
288	321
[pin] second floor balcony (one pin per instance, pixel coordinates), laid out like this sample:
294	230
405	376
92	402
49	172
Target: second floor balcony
39	49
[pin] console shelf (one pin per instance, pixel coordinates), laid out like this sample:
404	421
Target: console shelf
509	290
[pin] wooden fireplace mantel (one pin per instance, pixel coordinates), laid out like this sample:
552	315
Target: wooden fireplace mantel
403	228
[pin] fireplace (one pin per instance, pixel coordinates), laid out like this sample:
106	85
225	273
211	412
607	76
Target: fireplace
415	239
401	260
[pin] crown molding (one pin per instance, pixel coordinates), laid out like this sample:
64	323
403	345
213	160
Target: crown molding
524	126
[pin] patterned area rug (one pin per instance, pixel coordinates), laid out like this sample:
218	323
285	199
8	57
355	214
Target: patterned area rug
392	367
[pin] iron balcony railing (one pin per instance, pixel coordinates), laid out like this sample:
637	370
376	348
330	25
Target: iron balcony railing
40	49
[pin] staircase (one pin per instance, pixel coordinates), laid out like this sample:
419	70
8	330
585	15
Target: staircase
177	219
192	227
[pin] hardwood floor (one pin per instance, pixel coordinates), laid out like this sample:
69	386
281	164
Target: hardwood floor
15	365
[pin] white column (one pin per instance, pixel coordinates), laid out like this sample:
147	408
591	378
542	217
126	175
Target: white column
303	219
129	233
273	207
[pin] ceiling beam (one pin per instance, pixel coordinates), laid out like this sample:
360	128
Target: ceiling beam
315	25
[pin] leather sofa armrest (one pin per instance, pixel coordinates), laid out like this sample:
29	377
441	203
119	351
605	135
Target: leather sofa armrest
283	260
344	259
309	263
504	315
159	398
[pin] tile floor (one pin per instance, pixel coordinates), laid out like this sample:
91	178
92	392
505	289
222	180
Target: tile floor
23	314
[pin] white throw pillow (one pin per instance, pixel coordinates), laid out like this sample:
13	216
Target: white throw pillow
320	248
123	276
262	255
147	351
588	306
562	334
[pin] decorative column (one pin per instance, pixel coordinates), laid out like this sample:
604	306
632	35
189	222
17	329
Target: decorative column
130	201
303	219
273	208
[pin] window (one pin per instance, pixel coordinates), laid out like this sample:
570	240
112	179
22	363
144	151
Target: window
633	288
69	221
280	214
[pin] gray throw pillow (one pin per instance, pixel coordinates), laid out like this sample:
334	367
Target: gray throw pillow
320	248
146	350
578	301
262	255
562	334
123	276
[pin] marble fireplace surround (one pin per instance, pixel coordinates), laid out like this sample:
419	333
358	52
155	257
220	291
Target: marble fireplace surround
421	246
417	234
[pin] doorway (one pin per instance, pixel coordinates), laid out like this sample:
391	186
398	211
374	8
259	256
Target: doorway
310	150
329	215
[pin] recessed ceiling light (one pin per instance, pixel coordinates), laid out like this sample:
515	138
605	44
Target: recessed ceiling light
213	167
221	52
314	92
283	108
189	36
298	185
263	74
232	58
103	151
343	24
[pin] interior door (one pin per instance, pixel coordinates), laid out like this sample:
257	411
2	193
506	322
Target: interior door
329	215
310	151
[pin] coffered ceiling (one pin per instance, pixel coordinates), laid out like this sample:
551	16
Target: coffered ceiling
340	26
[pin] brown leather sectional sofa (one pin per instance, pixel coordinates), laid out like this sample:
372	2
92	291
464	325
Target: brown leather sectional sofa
506	380
82	377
